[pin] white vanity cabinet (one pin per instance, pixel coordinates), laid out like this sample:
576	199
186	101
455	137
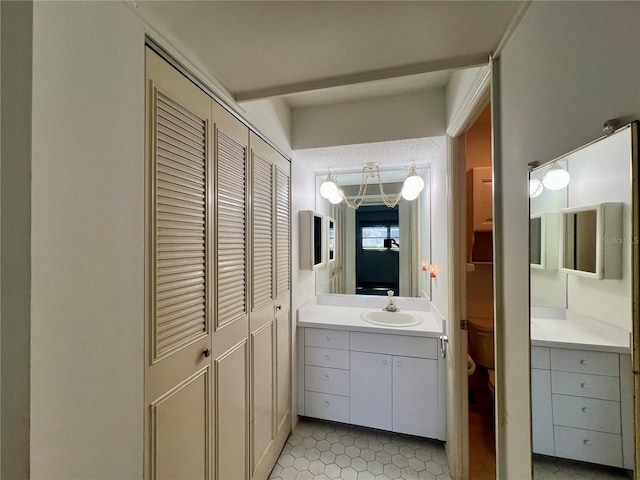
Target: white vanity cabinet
579	409
384	381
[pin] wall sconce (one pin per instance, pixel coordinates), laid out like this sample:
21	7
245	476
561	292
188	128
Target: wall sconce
432	271
424	266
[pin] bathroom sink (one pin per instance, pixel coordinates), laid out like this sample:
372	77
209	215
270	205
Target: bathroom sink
391	319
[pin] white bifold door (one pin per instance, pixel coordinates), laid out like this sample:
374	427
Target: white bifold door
217	323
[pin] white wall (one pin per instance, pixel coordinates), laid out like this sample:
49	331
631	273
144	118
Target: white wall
567	68
412	115
439	235
607	300
457	88
424	235
87	242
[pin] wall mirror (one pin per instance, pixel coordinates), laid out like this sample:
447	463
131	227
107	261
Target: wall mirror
582	285
376	248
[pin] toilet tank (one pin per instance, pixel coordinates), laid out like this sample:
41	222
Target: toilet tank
481	341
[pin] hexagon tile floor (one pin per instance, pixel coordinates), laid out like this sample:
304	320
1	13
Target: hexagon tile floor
323	450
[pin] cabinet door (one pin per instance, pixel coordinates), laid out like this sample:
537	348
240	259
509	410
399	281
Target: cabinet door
482	199
541	412
415	396
370	390
177	321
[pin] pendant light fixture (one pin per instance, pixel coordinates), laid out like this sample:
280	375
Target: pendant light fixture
535	188
411	187
556	178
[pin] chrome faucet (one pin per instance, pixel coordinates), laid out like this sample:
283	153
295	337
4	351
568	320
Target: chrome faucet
390	305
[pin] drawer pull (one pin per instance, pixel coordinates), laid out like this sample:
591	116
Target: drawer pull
586	441
583	362
326	377
326	404
326	339
584	409
583	385
326	357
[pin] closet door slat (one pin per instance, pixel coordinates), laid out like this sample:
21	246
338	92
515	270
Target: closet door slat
180	227
262	219
231	264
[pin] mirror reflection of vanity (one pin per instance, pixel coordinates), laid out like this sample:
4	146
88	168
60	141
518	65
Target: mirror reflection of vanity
373	249
581	294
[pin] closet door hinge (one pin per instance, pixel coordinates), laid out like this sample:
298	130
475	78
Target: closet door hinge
464	325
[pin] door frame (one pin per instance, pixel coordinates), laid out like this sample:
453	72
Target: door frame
475	100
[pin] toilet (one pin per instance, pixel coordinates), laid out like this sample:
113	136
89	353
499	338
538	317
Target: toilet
481	343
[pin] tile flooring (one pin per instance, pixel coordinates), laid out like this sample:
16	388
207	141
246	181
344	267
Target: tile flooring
323	450
551	468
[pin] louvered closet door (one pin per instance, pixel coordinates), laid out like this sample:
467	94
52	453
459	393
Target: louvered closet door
177	374
262	322
231	327
282	299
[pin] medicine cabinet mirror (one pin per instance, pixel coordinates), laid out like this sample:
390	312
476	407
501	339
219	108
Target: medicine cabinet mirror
584	308
374	248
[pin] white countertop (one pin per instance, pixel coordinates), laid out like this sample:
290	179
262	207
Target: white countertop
348	318
582	334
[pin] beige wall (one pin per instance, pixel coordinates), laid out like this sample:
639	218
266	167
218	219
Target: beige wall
567	68
87	242
478	154
412	115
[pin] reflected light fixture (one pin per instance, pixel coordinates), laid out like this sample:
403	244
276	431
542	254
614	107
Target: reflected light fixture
556	178
535	188
411	187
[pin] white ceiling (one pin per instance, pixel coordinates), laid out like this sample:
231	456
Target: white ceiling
377	88
267	48
398	154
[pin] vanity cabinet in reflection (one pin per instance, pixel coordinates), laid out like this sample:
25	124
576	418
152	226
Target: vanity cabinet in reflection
389	382
581	405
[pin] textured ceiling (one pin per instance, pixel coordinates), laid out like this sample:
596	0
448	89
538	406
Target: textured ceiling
349	158
265	44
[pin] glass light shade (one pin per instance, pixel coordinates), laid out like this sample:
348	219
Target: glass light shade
329	189
412	186
335	198
535	188
556	178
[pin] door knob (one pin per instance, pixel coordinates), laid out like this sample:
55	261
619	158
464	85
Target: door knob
207	352
278	307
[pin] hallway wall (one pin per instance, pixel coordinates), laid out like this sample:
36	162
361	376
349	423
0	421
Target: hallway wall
567	69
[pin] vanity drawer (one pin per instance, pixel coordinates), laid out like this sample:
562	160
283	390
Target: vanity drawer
586	385
420	347
589	446
326	380
586	413
322	337
326	357
327	407
584	361
540	358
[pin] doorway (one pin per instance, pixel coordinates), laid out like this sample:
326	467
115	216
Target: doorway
479	297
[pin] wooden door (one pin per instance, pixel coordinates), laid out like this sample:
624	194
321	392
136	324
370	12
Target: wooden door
282	251
231	319
370	390
262	325
415	396
178	319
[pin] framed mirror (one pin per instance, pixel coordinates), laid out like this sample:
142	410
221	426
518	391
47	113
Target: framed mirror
376	248
582	288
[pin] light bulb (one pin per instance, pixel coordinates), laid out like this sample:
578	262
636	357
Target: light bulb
412	185
535	188
335	197
329	188
556	178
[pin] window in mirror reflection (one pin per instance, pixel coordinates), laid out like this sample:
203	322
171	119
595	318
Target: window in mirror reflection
380	237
